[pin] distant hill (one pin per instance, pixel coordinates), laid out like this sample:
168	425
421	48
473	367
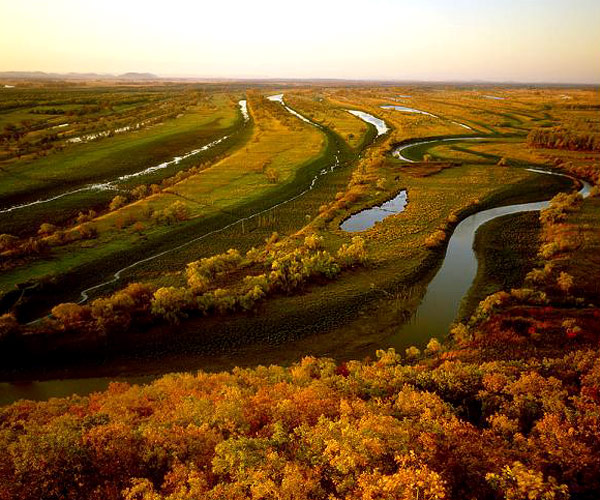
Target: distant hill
138	76
41	75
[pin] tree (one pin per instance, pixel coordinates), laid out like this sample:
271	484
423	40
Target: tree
46	229
117	202
171	303
565	282
8	326
272	175
353	254
71	315
8	242
517	482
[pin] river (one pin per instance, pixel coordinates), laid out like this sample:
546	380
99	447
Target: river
433	317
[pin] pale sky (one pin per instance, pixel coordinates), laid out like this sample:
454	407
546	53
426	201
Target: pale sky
502	40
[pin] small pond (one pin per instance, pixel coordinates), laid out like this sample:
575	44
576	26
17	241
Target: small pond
367	218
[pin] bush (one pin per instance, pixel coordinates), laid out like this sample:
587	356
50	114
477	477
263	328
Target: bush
117	202
435	239
176	212
353	254
8	242
313	242
71	315
46	229
565	282
171	303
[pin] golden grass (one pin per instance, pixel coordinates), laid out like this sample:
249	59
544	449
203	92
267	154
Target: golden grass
321	110
279	145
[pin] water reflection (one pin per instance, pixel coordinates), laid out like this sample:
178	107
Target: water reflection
366	219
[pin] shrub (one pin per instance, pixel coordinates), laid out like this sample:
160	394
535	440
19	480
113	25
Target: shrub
313	242
71	315
433	346
140	192
435	239
8	242
353	254
517	482
46	229
171	303
176	212
412	352
117	202
565	282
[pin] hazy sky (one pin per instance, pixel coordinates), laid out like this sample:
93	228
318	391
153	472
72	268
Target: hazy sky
502	40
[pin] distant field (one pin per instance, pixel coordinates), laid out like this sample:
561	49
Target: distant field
104	158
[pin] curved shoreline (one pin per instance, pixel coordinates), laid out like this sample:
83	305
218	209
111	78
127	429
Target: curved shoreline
366	218
397	152
451	283
90	384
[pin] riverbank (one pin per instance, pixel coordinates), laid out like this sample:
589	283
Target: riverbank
283	329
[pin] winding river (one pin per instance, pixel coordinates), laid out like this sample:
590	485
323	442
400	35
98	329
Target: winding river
435	314
440	305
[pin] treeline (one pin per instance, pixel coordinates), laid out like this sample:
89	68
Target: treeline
561	138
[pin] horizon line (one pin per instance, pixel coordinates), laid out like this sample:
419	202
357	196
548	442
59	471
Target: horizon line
150	76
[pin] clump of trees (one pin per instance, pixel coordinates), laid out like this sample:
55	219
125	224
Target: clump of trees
13	248
280	270
560	206
220	284
442	425
557	239
178	211
563	138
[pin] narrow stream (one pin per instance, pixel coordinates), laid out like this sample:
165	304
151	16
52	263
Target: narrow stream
113	184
